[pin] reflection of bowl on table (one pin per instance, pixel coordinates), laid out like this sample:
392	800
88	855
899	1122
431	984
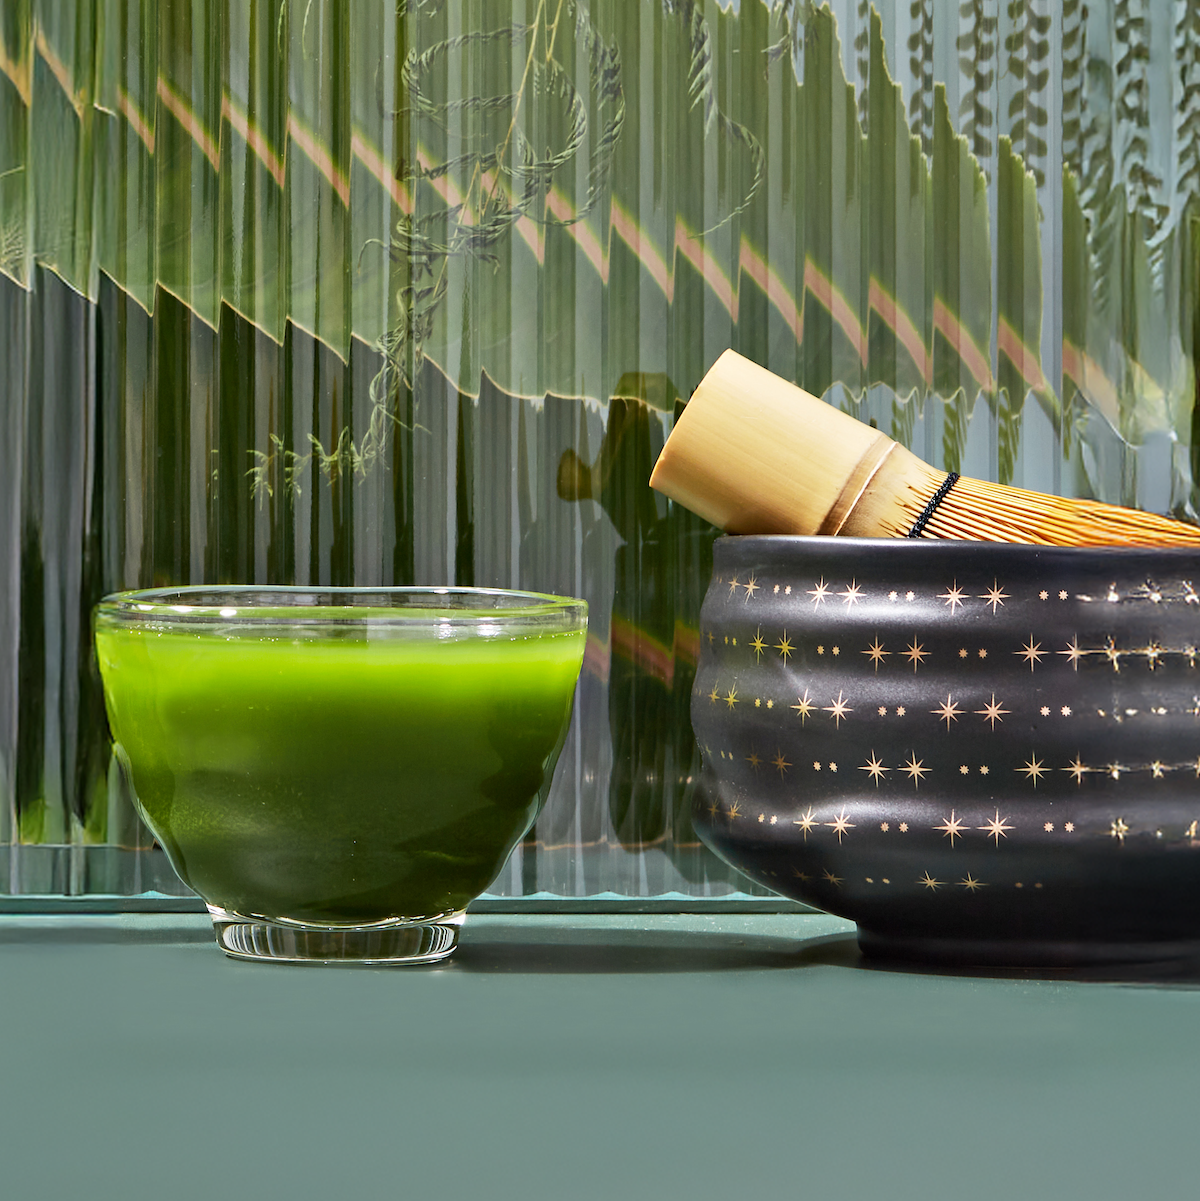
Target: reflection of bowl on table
338	772
975	751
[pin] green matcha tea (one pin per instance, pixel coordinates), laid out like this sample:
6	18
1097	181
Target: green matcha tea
338	780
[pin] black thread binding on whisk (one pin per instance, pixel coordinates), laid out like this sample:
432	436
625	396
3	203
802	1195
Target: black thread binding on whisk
935	500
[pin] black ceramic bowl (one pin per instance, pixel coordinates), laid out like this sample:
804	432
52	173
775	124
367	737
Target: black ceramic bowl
978	752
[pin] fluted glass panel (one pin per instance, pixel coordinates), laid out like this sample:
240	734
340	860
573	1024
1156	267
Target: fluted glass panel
411	291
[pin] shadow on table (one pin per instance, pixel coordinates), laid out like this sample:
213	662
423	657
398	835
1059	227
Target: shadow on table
570	949
110	930
841	950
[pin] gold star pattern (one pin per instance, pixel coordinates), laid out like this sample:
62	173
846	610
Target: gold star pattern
1077	768
948	711
803	707
993	712
838	709
805	821
927	881
784	646
850	595
1031	652
875	769
1115	770
1073	653
997	828
1048	827
951	827
732	698
1069	827
885	826
1156	769
820	592
733	585
1113	654
836	881
714	809
916	772
1153	654
715	695
994	596
1118	830
876	653
916	654
751	586
753	760
841	824
953	596
1033	769
735	811
757	645
903	827
780	764
970	883
900	710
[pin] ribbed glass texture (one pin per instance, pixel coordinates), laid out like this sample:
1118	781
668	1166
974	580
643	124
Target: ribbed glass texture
375	293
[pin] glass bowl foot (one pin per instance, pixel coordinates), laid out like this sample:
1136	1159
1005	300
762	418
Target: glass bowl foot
379	944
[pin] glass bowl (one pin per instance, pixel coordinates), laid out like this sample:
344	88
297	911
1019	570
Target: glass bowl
337	772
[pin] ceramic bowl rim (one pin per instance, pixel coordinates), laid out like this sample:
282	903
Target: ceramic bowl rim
826	542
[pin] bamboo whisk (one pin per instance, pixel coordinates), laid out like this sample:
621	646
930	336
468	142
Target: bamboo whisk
754	454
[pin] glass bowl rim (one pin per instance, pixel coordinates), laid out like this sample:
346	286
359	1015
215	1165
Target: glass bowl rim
266	606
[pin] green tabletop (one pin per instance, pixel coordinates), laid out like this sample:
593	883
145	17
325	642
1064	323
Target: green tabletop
615	1057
